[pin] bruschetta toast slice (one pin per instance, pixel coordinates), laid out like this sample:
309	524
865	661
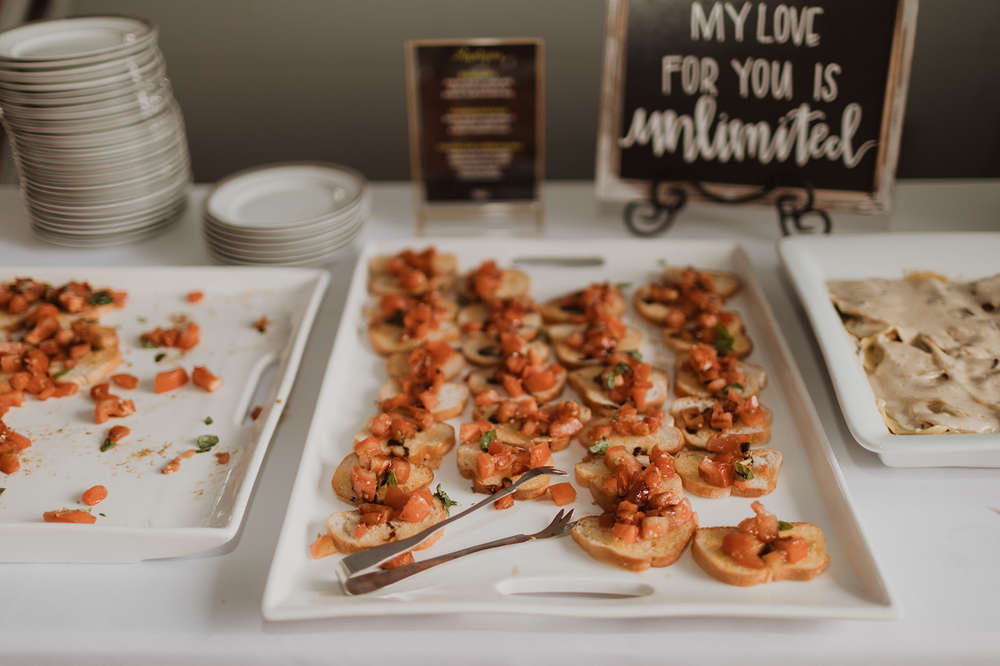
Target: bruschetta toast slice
667	538
524	423
579	345
24	301
402	324
622	381
410	433
744	474
82	354
493	465
411	272
638	432
372	525
485	350
445	400
714	425
761	549
490	282
615	475
585	304
360	484
508	315
727	338
441	354
702	373
721	283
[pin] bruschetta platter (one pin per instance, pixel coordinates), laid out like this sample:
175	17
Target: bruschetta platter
652	394
909	327
138	403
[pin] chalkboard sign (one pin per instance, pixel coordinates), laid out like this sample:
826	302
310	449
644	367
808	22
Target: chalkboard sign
738	95
476	122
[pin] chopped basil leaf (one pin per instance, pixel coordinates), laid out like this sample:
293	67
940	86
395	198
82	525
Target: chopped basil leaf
620	369
102	298
635	353
614	417
486	439
102	515
623	285
738	387
662	262
600	447
723	339
445	500
107	444
60	373
783	526
141	320
209	420
206	442
148	344
744	469
159	357
390	479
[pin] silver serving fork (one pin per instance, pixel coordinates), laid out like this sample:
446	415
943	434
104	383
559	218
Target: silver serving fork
376	580
358	562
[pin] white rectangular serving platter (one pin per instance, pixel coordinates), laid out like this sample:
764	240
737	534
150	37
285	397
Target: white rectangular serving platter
555	577
200	507
812	261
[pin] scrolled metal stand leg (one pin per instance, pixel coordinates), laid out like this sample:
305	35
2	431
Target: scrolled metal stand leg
789	210
654	215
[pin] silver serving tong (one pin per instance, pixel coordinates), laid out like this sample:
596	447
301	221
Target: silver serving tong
372	557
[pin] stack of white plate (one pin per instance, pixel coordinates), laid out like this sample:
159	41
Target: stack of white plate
96	134
304	213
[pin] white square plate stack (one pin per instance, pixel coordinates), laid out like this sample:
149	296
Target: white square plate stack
95	131
294	214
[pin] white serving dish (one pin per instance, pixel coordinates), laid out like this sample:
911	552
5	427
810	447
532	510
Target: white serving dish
555	577
812	261
200	507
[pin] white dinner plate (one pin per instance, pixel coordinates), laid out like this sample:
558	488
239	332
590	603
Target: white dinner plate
71	40
122	81
812	261
87	72
284	194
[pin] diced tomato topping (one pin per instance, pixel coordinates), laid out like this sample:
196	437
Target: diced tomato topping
538	455
401	469
94	495
625	533
504	503
118	433
322	547
562	494
404	558
203	378
487	397
417	508
69	516
395	497
485	467
189	337
168	380
744	549
795	548
194	296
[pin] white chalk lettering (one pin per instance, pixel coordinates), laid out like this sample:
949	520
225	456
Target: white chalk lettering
703	26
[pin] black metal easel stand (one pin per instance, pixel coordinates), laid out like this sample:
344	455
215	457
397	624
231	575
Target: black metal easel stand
666	198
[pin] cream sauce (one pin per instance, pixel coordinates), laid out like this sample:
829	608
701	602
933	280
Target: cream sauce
931	349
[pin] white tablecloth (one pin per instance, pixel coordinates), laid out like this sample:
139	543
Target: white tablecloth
935	531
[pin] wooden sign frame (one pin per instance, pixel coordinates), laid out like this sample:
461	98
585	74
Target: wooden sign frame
610	187
495	214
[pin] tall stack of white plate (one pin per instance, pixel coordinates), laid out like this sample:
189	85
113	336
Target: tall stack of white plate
303	213
96	134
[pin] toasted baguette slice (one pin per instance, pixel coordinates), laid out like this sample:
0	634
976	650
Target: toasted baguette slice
766	463
489	410
725	284
427	447
601	544
420	477
391	339
554	313
480	312
742	345
381	281
686	382
514	283
480	380
93	368
511	433
755	435
466	455
341	526
398	365
12	322
592	471
708	553
668	438
451	398
484	350
573	358
587	382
